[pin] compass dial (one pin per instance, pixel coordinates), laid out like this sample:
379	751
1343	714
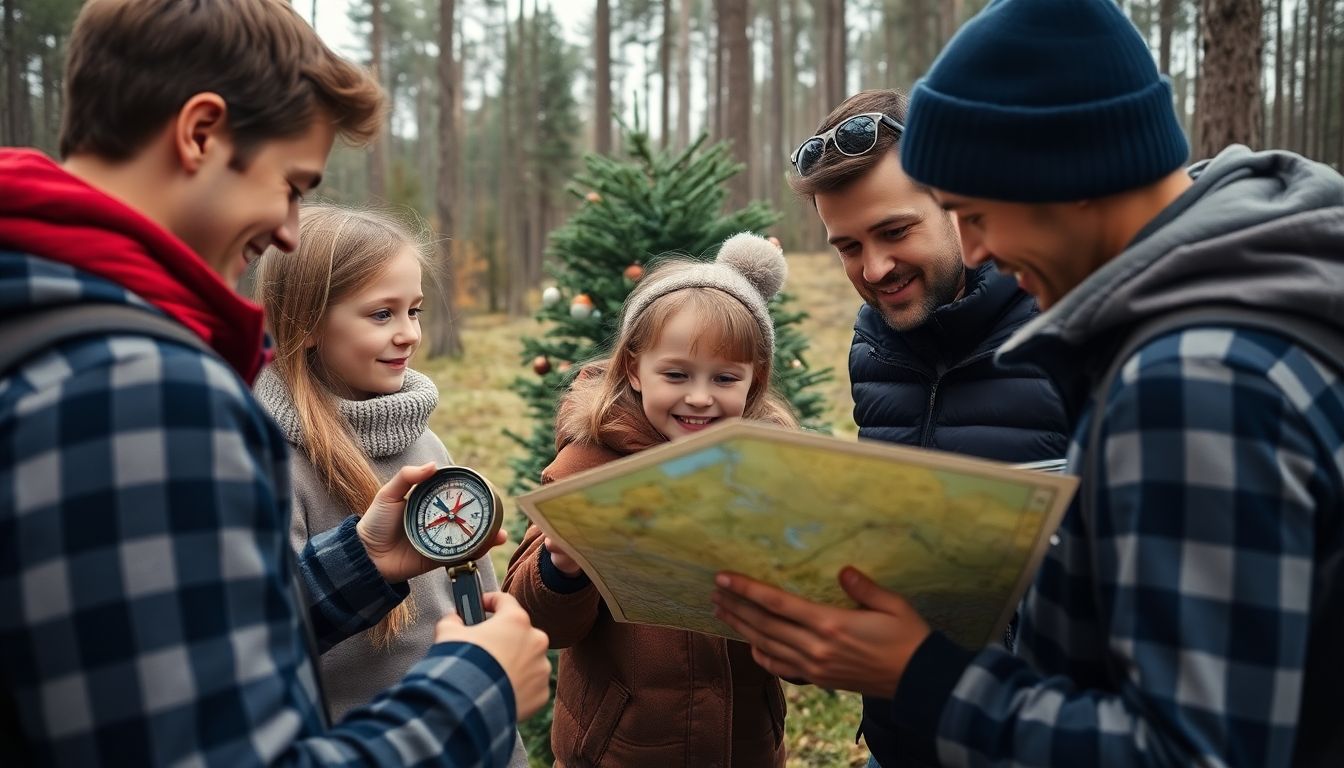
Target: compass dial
453	516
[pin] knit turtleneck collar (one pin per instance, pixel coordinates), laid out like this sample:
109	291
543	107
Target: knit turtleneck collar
385	426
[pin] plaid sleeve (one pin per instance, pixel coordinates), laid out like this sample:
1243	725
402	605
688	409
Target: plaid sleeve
346	593
1203	554
146	615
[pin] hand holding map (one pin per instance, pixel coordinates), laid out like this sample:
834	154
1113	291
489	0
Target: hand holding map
959	538
865	649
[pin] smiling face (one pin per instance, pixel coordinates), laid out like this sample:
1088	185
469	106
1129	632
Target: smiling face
232	211
899	249
1048	247
368	336
686	384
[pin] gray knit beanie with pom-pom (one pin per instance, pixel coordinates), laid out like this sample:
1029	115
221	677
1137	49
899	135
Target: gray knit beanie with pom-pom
749	268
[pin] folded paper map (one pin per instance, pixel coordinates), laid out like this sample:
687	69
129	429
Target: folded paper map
960	538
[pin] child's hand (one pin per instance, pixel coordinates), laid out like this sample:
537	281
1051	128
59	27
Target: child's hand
561	559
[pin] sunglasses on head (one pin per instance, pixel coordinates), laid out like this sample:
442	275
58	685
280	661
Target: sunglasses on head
852	137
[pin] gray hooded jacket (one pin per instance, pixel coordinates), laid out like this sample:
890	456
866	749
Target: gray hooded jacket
1197	617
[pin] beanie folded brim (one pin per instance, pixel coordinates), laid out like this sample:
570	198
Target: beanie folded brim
1042	154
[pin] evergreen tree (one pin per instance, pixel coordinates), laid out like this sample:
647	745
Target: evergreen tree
655	204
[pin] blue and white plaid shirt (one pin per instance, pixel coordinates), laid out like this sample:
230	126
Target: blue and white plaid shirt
1176	633
145	610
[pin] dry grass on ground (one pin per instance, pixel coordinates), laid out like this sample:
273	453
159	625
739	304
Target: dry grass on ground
477	405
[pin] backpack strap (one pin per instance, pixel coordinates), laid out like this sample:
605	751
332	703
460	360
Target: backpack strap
35	332
22	338
1322	342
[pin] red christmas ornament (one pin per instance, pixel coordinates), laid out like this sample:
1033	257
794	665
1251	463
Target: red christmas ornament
633	273
541	365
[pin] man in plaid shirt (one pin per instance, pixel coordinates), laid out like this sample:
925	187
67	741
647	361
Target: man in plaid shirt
146	610
1192	611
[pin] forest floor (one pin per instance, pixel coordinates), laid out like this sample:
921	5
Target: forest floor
477	404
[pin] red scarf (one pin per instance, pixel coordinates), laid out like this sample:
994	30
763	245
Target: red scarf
46	212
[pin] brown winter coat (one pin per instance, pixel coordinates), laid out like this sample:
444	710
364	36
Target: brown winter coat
633	695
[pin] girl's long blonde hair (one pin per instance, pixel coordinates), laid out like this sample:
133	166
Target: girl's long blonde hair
340	251
603	407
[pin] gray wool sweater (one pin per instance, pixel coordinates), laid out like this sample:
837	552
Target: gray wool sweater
393	431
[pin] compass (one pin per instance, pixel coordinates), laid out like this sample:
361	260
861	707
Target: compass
452	518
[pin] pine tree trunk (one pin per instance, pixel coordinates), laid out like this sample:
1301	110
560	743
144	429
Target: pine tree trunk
46	138
1229	91
525	107
819	60
1308	78
1290	124
736	48
1279	102
602	79
1322	75
709	19
17	107
949	16
426	149
443	337
506	166
665	71
891	54
720	73
378	149
536	234
774	165
1166	20
683	74
11	76
835	53
1339	156
916	16
1331	80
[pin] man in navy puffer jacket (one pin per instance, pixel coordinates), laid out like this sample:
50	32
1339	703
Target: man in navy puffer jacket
922	362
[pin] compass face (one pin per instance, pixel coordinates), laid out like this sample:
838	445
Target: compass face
453	516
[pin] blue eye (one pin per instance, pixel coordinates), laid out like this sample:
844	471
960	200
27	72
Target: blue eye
417	312
382	314
674	375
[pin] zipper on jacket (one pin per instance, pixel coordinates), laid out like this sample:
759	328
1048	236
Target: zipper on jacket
925	439
939	374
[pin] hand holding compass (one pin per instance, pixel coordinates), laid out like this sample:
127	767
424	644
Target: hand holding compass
452	518
382	533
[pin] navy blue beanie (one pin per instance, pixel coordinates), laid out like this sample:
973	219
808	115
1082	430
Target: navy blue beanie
1043	101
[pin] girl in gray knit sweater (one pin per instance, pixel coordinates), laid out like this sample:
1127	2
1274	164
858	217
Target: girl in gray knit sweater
344	311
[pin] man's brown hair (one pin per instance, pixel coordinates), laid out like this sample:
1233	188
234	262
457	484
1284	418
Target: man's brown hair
835	171
134	63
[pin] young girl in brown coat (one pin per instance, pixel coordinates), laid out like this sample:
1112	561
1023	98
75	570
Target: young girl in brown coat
695	347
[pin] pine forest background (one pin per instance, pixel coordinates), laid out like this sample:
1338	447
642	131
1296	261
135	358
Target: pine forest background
483	145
